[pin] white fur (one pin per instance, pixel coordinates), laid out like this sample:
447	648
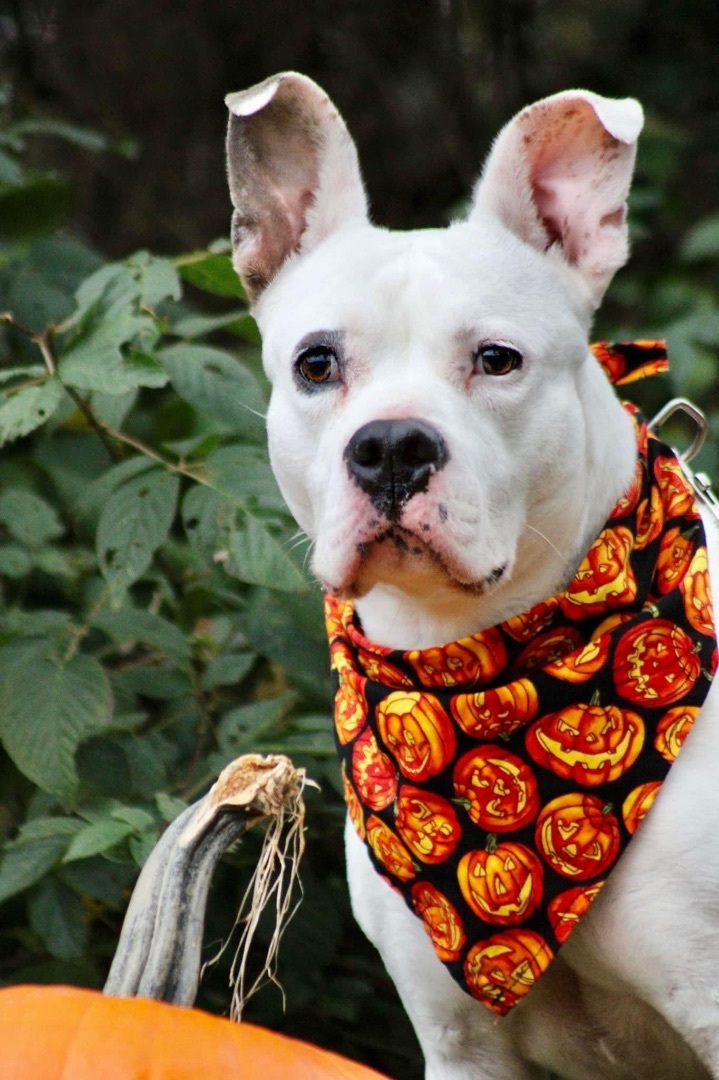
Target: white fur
537	459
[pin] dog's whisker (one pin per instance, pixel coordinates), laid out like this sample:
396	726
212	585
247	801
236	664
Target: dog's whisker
547	541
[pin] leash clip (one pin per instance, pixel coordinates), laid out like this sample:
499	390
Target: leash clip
699	481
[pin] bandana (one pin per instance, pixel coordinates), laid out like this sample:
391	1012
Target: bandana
497	779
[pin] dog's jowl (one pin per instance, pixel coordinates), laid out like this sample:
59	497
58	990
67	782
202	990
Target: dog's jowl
518	599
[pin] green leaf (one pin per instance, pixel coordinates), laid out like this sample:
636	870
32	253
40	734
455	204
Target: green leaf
217	384
14	561
134	522
133	624
47	709
243	474
702	242
96	838
169	806
214	273
37	849
234	322
97	362
240	728
27	409
228	670
96	494
157	278
29	518
57	916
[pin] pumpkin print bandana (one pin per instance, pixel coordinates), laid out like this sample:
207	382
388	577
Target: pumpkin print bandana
497	779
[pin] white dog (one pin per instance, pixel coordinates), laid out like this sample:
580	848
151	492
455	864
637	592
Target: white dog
469	346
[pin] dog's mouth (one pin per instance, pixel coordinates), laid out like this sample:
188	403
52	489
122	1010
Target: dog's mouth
398	556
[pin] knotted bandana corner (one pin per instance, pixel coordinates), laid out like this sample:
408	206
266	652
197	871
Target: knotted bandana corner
497	779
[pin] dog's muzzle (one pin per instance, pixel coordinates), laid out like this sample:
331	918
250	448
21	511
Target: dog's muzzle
392	460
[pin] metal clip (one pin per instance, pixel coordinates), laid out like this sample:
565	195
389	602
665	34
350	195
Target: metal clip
699	481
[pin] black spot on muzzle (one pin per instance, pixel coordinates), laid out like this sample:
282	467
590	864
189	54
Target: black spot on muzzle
392	460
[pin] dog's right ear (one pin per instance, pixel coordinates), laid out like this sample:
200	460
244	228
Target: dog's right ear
293	172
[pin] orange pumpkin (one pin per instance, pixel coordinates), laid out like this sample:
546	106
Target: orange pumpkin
51	1032
578	836
417	731
354	808
637	804
604	579
655	663
427	823
579	666
588	744
677	492
697	594
630	498
547	648
350	707
441	920
503	883
373	773
496	788
566	909
389	849
502	969
473	659
673	729
496	712
650	519
381	670
674	558
532	622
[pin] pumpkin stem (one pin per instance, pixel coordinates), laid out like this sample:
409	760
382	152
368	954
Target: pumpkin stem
158	955
491	843
596	698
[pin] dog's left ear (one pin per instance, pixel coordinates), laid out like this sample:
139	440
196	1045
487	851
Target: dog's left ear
293	172
559	173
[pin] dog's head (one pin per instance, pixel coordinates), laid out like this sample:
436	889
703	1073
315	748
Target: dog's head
437	424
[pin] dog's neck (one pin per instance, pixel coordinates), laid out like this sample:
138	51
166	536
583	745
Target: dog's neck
546	561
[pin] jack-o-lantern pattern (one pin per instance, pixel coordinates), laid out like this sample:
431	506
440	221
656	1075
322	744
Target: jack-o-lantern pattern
417	732
374	773
578	836
492	713
441	920
427	823
496	788
497	779
502	883
501	970
588	744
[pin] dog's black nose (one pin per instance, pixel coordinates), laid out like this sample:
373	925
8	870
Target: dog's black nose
392	460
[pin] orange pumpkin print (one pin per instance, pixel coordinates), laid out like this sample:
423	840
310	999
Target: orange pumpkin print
389	849
490	713
650	520
417	732
604	579
566	909
354	807
380	670
527	626
655	663
373	773
697	594
341	658
679	500
579	666
638	802
675	555
630	498
501	970
578	836
673	729
350	707
548	648
496	788
502	884
441	920
474	659
427	823
587	744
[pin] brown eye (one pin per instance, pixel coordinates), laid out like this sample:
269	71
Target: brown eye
318	365
498	359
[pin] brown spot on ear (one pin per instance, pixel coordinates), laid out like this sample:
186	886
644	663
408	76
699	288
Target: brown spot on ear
255	281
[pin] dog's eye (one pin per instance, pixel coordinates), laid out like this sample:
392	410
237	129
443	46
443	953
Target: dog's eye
318	365
498	359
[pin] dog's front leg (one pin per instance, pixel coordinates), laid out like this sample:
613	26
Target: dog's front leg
460	1039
